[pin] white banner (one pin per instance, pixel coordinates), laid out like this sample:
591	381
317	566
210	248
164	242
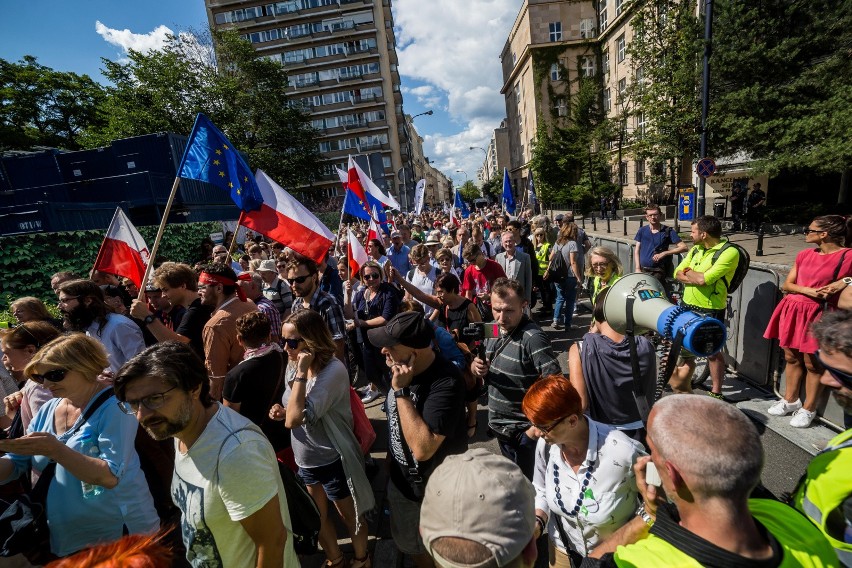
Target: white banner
419	196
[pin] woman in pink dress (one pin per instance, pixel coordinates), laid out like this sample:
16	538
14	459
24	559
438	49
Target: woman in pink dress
812	286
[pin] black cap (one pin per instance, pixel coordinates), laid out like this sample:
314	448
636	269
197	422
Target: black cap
408	328
560	217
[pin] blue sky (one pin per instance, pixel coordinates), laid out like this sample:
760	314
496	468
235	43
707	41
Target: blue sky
448	56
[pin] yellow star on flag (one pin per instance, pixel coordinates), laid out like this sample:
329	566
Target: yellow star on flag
219	152
239	190
231	184
215	162
225	146
245	179
221	174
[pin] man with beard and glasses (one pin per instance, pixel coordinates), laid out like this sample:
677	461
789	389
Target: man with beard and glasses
226	481
303	277
83	309
217	287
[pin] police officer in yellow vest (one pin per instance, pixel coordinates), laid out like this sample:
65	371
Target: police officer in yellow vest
825	494
709	458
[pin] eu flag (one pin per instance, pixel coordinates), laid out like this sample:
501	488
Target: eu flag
508	195
462	206
211	157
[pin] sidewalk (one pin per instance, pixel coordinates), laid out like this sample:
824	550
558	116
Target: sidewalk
779	248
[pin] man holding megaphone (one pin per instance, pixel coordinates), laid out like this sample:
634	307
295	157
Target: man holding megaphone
705	292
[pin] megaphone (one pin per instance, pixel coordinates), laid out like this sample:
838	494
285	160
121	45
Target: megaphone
702	335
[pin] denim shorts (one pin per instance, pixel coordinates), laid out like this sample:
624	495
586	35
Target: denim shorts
332	477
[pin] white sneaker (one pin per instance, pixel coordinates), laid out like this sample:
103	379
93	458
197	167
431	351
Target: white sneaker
783	408
370	396
802	418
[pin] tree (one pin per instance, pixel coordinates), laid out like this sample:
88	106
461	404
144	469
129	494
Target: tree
493	188
469	191
781	89
241	92
666	54
43	107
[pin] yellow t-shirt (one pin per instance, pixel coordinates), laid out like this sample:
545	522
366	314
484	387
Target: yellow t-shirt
713	294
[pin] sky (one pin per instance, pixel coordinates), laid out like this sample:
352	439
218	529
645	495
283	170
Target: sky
449	57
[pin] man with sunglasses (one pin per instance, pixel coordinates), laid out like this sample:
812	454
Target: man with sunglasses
226	481
217	287
825	494
303	278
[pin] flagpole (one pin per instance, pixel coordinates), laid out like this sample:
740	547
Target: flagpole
156	245
233	244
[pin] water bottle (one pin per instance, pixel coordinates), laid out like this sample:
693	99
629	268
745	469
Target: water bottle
90	448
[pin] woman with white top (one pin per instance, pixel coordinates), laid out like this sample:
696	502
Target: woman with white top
584	481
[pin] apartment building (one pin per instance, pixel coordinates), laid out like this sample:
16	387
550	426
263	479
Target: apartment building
341	62
496	154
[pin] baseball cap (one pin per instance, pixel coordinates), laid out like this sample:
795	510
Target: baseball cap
408	328
481	497
560	217
267	266
395	234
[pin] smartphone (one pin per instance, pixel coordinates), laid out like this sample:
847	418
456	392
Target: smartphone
652	476
490	330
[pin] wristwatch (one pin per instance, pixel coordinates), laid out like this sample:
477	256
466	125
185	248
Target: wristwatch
404	392
848	280
641	512
148	319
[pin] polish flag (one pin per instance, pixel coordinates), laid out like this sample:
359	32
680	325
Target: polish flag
287	221
360	182
375	231
123	252
355	253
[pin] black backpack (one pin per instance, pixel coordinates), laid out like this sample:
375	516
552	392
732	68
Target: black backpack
742	266
557	270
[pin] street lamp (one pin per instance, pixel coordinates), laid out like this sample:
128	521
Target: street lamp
462	172
405	181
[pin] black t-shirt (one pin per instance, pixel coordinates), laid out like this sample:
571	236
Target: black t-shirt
192	324
256	384
438	396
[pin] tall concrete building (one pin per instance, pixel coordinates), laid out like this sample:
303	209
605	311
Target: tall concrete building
496	154
341	61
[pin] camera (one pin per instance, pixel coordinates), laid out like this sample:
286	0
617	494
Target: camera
479	331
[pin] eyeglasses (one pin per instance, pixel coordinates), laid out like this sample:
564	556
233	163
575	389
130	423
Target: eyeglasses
549	429
372	276
54	376
151	402
842	376
808	231
600	264
298	279
293	343
37	342
67	299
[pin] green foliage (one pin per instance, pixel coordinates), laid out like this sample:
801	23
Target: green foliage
493	187
782	88
43	107
242	93
469	191
666	57
28	261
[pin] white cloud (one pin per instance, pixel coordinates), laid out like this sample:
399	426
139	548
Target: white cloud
453	48
127	40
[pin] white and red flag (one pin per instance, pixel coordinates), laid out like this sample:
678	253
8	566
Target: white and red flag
123	252
374	232
355	253
287	221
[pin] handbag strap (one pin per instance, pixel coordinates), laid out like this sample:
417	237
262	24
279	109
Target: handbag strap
638	388
834	277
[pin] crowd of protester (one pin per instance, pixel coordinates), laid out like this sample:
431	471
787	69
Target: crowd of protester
169	411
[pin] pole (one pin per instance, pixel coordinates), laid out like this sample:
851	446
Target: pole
233	244
159	237
625	225
759	251
705	99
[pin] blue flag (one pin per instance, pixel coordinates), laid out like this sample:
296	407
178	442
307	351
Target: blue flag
211	157
508	195
462	206
354	206
531	197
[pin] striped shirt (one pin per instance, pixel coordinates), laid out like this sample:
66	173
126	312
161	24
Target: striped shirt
517	361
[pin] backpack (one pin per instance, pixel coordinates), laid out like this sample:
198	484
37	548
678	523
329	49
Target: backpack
742	266
304	514
557	270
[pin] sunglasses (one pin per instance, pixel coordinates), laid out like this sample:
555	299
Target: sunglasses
54	376
809	231
293	343
372	276
151	402
549	429
842	376
298	279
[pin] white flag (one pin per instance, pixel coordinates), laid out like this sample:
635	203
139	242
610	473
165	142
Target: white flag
419	196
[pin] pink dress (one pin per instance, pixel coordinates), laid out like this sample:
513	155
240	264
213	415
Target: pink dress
791	321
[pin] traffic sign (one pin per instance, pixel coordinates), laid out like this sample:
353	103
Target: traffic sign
705	168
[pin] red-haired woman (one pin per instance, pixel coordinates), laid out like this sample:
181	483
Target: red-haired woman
583	479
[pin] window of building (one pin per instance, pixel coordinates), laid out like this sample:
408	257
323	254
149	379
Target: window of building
607	100
587	28
587	66
602	13
386	161
514	59
518	94
555	74
621	45
622	88
605	63
622	173
639	79
555	31
561	107
641	124
619	6
640	172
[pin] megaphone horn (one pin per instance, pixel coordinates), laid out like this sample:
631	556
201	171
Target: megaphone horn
703	335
